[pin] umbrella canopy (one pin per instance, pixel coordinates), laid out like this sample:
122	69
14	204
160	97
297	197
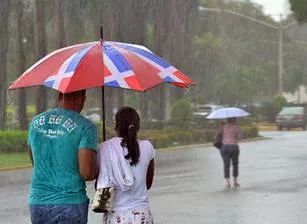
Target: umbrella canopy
228	112
89	65
101	63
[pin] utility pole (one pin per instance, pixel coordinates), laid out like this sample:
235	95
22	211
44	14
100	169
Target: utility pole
280	57
279	28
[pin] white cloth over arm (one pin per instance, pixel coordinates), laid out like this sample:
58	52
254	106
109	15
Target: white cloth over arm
114	169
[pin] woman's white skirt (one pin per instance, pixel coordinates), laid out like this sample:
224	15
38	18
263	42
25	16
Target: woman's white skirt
138	215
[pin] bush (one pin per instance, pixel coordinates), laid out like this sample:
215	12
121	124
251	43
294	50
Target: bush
181	114
13	141
152	124
110	132
271	108
16	141
162	139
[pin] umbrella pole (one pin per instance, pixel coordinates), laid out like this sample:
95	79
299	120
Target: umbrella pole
103	115
102	91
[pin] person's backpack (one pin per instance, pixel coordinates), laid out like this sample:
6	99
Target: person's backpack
218	141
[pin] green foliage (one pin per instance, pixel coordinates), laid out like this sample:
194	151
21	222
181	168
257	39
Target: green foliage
16	141
235	58
295	66
271	108
239	84
208	40
12	109
199	136
299	7
13	141
181	113
232	60
153	124
133	99
110	132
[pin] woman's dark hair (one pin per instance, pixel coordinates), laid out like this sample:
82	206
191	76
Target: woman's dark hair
231	120
127	125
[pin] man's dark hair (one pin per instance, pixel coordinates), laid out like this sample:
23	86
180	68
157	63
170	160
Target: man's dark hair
76	94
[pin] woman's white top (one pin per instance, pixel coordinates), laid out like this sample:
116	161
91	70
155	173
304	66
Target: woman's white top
137	194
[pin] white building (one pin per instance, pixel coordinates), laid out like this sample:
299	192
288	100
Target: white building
300	96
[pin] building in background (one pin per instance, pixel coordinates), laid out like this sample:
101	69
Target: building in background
300	96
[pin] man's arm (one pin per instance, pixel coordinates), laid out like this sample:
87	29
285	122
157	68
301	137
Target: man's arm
30	155
87	164
150	174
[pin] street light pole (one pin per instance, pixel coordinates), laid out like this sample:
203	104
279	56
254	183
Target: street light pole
279	28
280	58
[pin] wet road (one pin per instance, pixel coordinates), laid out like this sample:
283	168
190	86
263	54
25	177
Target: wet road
189	187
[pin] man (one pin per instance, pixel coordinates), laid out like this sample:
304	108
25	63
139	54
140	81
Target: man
62	148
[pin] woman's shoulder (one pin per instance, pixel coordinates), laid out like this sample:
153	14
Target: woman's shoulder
145	143
113	140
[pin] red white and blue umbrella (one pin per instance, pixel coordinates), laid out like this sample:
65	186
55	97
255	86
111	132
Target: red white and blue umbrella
99	64
88	65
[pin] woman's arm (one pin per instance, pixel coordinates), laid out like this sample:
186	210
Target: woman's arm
150	173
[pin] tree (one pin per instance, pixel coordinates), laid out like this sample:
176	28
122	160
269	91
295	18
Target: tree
182	31
59	21
4	14
162	47
22	104
214	49
299	7
239	84
181	113
296	69
137	13
40	50
227	45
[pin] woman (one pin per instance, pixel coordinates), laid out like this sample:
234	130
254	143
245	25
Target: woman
136	158
230	150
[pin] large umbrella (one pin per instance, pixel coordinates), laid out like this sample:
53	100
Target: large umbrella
101	63
228	112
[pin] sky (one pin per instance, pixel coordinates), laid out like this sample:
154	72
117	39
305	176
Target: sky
274	7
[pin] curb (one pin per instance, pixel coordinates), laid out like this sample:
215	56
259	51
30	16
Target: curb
206	145
260	138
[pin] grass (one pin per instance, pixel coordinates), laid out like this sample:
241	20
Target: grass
14	160
12	109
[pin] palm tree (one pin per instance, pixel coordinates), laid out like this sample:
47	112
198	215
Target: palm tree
40	49
4	12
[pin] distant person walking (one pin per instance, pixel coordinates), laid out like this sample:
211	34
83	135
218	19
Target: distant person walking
127	164
230	151
62	148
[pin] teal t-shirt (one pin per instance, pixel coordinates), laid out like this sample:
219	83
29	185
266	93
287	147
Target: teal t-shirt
55	138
